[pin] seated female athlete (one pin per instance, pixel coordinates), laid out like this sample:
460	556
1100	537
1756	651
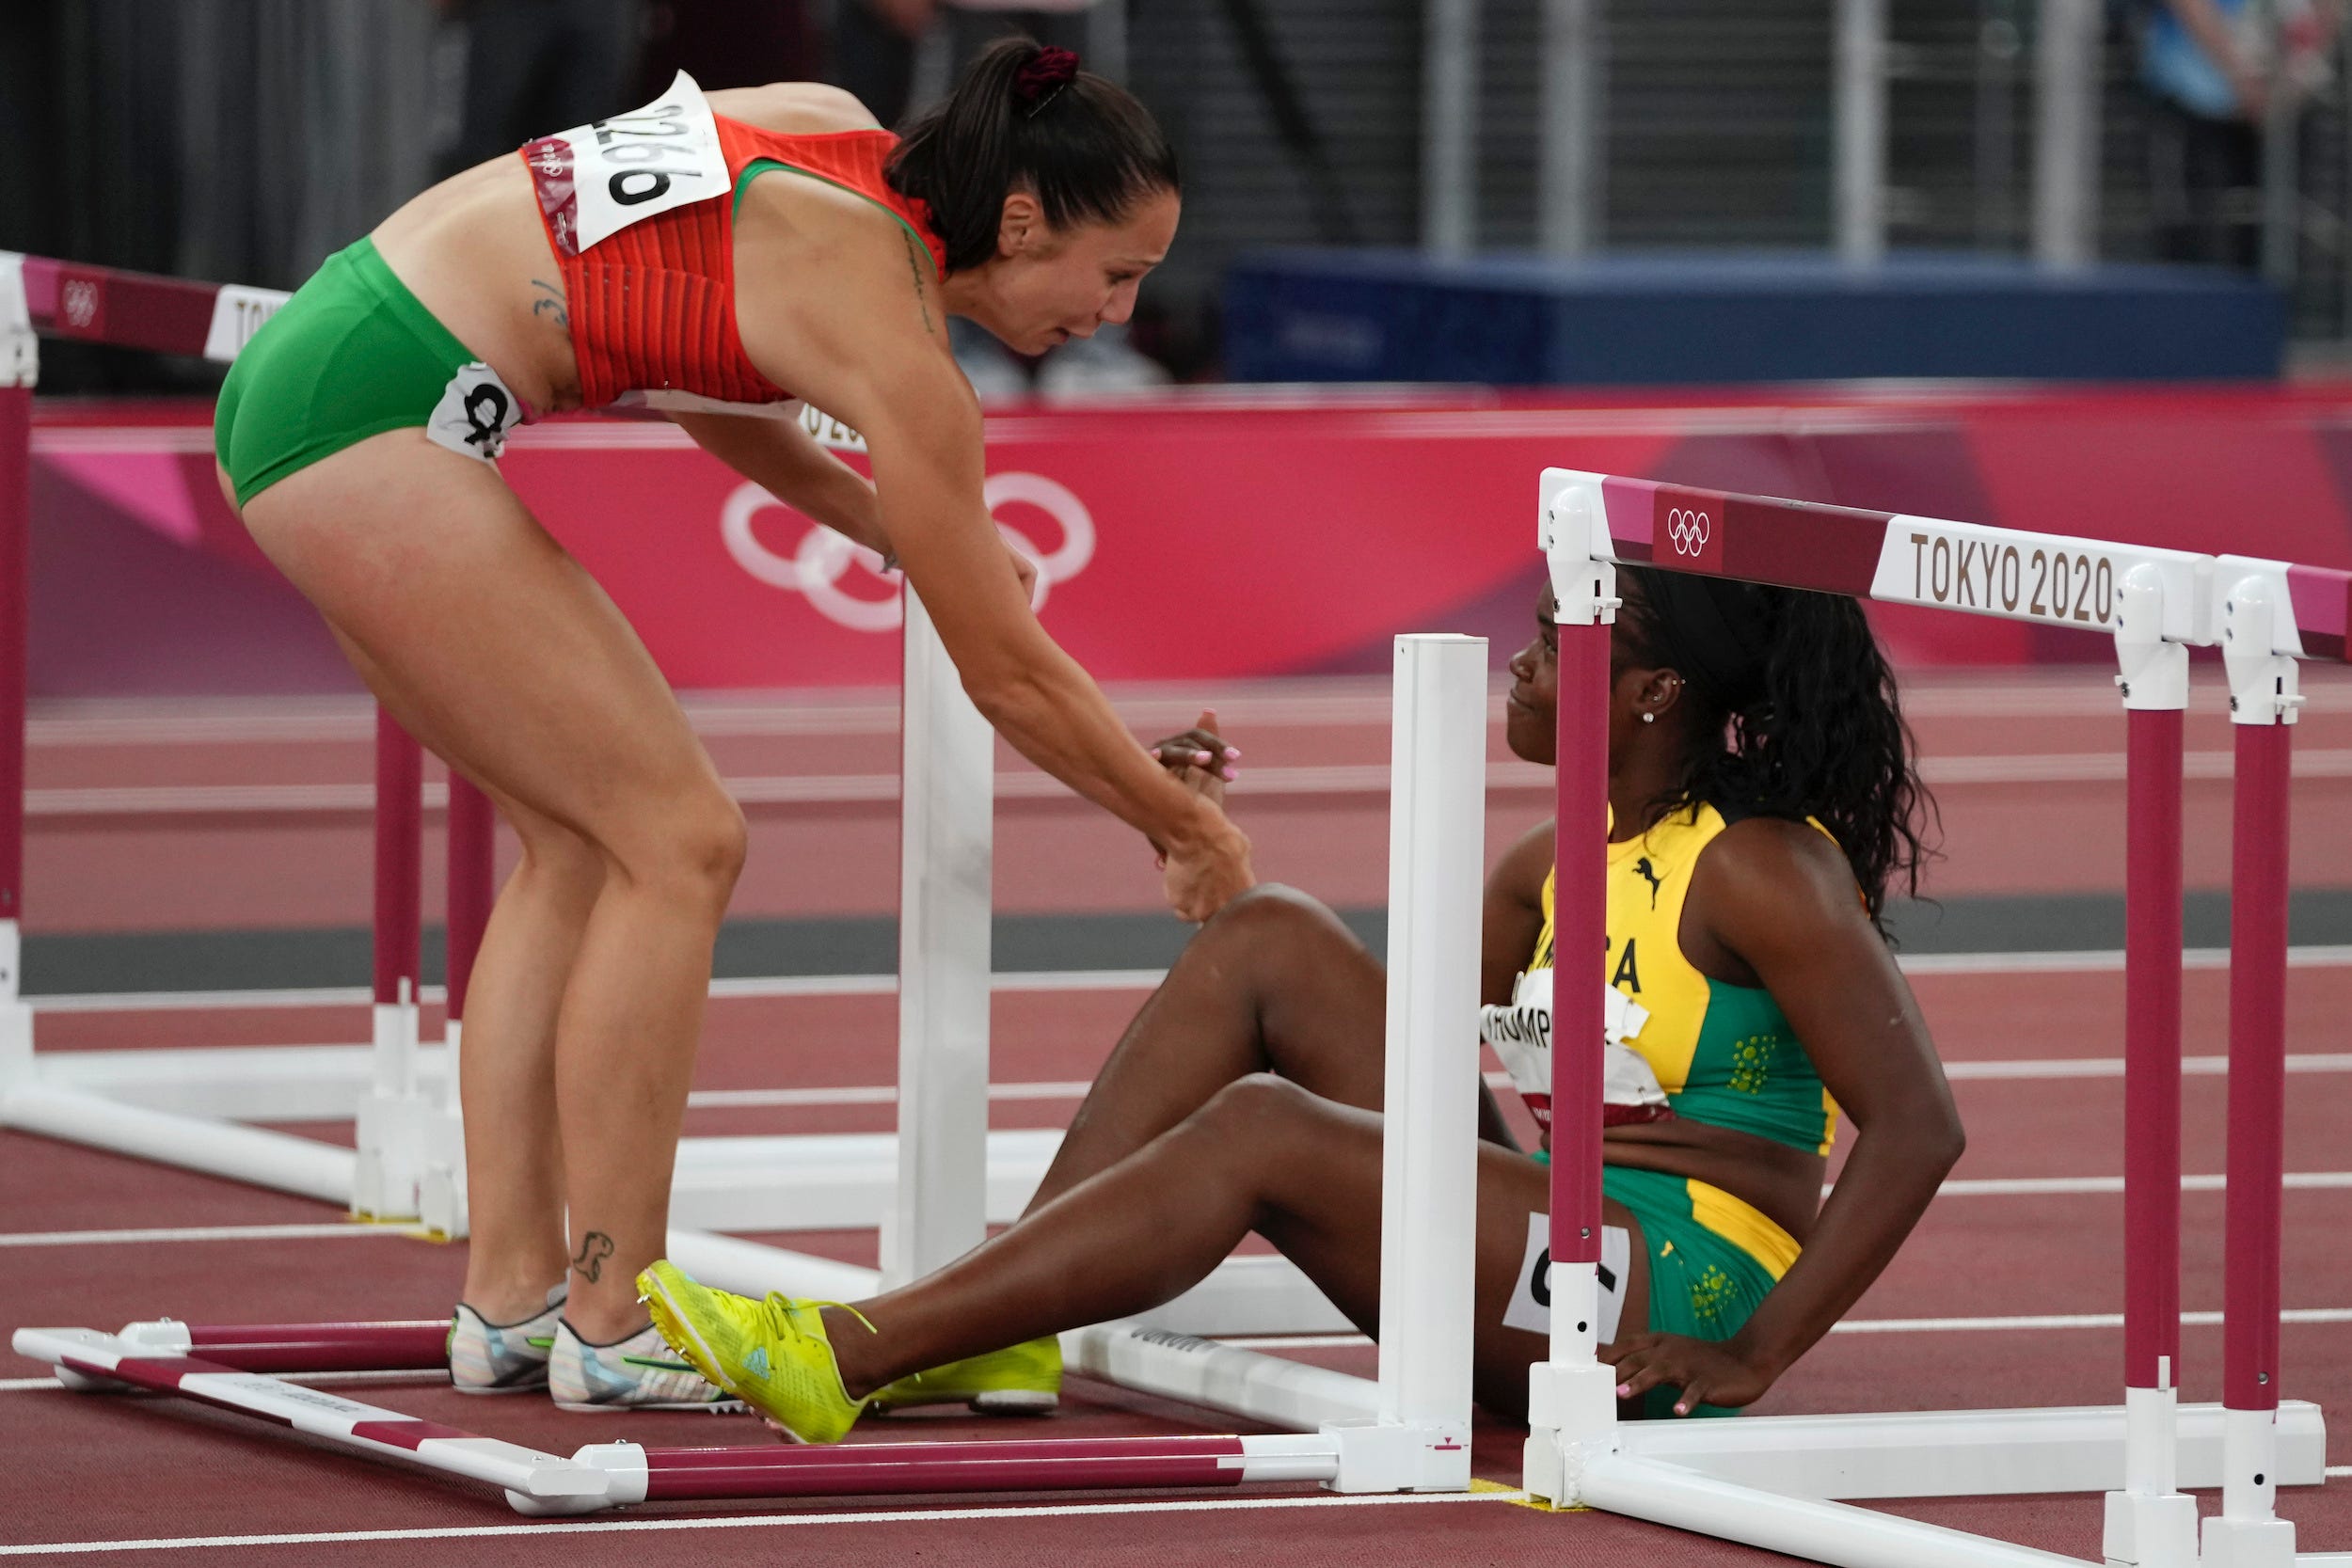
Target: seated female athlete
1762	801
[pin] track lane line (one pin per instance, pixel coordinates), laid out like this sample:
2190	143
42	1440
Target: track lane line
751	1521
332	1230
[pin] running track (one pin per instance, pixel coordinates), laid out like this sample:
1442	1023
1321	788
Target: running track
181	820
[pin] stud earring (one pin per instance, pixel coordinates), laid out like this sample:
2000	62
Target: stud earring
1649	718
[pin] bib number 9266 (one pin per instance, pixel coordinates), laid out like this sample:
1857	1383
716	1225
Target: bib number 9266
598	179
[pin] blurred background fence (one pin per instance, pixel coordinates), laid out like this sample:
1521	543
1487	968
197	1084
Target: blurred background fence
244	139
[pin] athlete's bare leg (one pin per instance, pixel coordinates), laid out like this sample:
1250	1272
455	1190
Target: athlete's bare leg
502	654
513	1150
1275	983
1261	1155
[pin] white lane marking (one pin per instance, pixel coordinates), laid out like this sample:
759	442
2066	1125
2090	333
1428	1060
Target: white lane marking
869	1094
209	1233
2065	1320
34	1385
757	985
2112	1066
2073	1186
760	1521
2335	1470
1865	1325
2099	960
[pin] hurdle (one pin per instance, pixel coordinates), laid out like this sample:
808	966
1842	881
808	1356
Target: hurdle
1781	1483
1407	1431
931	1189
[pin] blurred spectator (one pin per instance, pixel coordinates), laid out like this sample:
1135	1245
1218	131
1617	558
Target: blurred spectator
536	66
727	44
2213	70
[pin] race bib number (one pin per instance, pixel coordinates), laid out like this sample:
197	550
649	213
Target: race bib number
1520	1034
1530	1297
598	179
475	413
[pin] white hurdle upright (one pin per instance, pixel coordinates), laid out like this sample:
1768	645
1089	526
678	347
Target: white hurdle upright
1773	1481
945	859
1429	1152
1409	1432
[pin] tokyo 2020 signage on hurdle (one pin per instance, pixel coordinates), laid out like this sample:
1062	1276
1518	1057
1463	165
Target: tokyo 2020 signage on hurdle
1771	1482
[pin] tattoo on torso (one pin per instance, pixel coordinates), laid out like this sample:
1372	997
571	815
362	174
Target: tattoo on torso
550	303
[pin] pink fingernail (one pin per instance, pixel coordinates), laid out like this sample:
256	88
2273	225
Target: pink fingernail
1203	758
1229	775
1232	754
1682	1410
1625	1390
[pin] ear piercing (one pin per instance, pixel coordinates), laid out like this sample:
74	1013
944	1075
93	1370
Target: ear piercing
1649	718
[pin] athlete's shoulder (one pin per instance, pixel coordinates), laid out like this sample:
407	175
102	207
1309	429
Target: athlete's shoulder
795	108
1521	870
1777	862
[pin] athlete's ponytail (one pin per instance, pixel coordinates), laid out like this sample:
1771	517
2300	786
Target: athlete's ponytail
1793	712
1025	118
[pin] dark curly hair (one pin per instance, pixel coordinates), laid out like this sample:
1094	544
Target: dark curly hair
1791	711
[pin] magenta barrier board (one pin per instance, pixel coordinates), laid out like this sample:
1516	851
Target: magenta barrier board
1208	537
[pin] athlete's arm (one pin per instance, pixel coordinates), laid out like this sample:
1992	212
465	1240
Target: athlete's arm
871	347
1514	914
1513	919
784	460
1779	898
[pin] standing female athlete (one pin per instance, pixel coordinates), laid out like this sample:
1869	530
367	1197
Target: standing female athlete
1762	801
645	254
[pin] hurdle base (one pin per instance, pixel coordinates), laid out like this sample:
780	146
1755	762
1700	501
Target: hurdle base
1396	1456
1571	1413
2150	1529
2249	1543
1958	1453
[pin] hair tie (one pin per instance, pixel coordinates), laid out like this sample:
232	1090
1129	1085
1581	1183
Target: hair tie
1041	81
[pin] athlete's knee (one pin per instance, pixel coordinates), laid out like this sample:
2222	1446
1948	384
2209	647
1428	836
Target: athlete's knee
1259	1111
1274	922
557	858
695	848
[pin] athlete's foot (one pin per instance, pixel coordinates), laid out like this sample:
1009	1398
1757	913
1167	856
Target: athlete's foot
497	1353
636	1372
1020	1380
775	1354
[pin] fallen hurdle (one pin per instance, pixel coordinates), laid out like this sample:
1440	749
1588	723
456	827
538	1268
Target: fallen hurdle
1407	1430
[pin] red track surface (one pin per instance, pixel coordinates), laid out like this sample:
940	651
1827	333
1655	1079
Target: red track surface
100	1469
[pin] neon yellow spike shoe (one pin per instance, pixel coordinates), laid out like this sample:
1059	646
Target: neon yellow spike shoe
772	1355
1024	1380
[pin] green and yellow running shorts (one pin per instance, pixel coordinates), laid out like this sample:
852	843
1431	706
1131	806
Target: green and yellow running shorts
352	355
1713	1260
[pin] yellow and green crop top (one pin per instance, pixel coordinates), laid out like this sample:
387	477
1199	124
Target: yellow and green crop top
1726	1055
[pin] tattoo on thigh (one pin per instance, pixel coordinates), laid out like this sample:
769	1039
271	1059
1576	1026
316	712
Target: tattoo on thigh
594	1249
551	303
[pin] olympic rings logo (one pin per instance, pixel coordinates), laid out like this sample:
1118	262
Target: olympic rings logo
816	566
78	301
1688	529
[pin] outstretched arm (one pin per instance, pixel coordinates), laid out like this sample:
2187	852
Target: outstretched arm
871	347
1779	896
